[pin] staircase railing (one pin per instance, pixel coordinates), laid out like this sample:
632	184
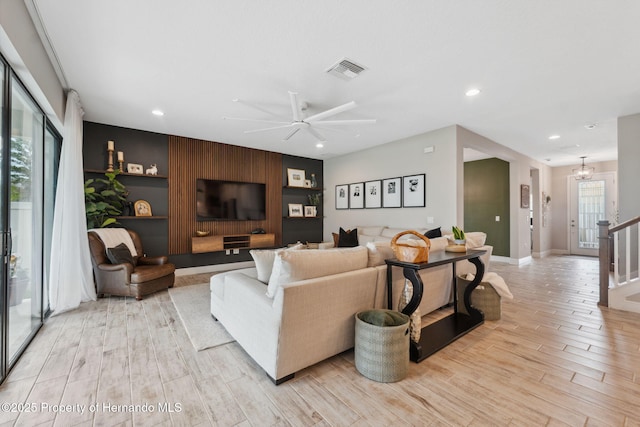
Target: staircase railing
609	254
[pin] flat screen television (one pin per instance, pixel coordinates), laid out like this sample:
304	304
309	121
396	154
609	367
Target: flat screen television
230	200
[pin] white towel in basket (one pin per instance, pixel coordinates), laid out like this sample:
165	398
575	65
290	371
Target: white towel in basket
496	281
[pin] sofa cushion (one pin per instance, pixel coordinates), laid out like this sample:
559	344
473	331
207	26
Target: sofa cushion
438	244
348	239
264	260
378	252
390	232
120	254
475	239
370	230
293	266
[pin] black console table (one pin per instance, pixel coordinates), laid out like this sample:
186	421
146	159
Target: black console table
443	332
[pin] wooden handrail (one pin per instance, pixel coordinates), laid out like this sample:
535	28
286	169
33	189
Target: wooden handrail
624	225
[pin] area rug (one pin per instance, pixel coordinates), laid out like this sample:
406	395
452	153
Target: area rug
192	303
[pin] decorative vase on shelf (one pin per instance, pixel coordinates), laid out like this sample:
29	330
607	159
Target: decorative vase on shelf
314	183
415	320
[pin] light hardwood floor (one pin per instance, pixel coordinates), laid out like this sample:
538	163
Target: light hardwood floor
555	358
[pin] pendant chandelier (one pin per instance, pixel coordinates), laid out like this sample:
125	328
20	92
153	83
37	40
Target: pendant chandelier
584	172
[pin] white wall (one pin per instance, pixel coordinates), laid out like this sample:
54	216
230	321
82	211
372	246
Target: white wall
396	159
444	181
520	169
560	201
629	172
22	48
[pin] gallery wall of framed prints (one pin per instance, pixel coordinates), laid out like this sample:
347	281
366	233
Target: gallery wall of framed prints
399	192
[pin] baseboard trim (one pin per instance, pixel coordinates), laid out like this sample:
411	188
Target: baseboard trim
512	261
213	268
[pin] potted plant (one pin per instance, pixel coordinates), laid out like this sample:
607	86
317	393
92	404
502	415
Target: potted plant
314	199
105	199
458	236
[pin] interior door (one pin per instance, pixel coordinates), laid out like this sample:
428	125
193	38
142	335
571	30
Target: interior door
590	201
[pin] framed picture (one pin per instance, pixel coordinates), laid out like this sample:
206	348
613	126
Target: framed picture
342	196
307	183
310	211
142	208
134	168
392	193
295	210
373	194
413	191
524	196
295	177
356	195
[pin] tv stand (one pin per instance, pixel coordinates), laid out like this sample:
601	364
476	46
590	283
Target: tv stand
219	243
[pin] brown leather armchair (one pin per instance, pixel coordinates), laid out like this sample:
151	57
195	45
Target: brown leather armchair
148	275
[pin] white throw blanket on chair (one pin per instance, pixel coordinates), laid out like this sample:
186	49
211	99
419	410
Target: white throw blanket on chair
112	237
496	282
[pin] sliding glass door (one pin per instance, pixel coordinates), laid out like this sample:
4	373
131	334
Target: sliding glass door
25	219
29	155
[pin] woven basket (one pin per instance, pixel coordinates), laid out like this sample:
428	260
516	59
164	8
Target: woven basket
408	253
484	297
382	352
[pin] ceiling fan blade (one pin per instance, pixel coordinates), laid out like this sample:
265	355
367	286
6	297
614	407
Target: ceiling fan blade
316	134
295	106
331	112
257	107
255	120
346	122
293	132
264	129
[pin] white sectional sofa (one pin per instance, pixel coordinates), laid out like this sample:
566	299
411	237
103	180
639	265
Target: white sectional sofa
297	307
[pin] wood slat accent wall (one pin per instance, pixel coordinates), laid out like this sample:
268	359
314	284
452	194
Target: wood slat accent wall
190	159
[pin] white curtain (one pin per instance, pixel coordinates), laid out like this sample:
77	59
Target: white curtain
71	280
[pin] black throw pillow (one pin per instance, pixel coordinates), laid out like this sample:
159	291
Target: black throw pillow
120	254
432	234
348	239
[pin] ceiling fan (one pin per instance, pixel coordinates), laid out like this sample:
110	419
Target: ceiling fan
308	124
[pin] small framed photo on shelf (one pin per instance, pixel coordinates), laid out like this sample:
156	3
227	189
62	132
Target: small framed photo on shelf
392	193
295	177
295	210
356	195
142	208
413	191
307	183
342	196
373	194
310	211
134	168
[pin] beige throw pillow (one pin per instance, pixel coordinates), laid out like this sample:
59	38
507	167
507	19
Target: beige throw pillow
264	259
378	252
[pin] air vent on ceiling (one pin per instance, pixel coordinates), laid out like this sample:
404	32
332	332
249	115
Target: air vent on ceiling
346	69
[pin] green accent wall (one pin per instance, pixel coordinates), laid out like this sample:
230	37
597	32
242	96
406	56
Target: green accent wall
486	195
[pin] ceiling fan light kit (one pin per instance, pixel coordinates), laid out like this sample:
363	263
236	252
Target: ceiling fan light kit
307	124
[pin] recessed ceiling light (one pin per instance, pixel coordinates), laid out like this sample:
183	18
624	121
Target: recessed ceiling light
554	137
157	113
472	92
591	126
319	145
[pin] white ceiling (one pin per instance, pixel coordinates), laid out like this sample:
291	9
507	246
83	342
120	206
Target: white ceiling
544	67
